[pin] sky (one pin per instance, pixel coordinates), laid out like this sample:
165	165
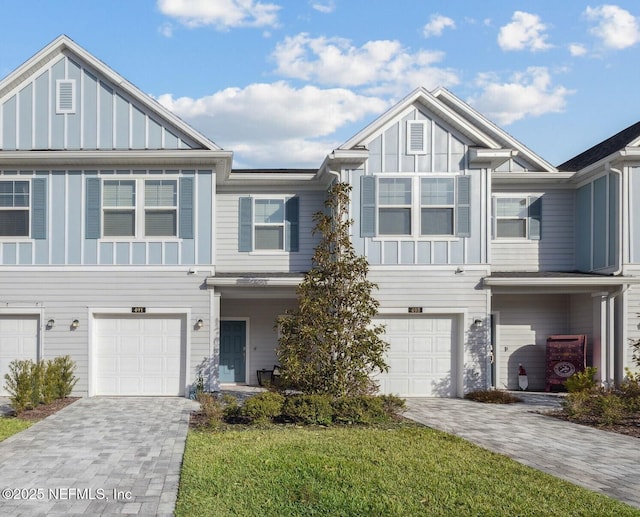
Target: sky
283	82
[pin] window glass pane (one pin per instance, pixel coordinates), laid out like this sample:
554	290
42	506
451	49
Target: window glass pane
14	193
436	221
119	223
511	228
14	223
119	193
269	238
437	191
160	193
394	191
160	222
511	207
269	211
394	221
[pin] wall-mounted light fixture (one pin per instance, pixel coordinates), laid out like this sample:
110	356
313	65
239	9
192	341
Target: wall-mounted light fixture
75	324
50	324
478	323
199	324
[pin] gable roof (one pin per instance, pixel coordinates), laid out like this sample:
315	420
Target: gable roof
460	116
65	45
603	149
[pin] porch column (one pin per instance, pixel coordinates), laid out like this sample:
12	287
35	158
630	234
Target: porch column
600	337
214	384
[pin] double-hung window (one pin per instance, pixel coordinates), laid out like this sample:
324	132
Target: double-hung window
437	206
394	206
160	208
14	208
517	217
269	224
119	204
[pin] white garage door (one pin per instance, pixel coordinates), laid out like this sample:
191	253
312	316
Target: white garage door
420	356
139	355
18	340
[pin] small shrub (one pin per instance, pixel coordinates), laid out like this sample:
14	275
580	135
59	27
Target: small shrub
579	404
66	376
393	405
232	410
630	391
492	397
610	409
49	390
360	410
308	409
37	382
19	385
263	407
582	381
211	408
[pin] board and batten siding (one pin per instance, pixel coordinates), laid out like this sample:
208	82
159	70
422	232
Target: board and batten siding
436	292
105	117
445	155
65	242
230	259
555	249
69	295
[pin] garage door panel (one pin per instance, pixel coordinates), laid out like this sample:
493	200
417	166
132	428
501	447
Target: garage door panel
139	355
18	341
420	355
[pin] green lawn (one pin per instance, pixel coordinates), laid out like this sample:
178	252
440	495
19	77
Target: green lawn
402	471
9	426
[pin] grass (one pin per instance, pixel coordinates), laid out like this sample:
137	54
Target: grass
402	470
10	425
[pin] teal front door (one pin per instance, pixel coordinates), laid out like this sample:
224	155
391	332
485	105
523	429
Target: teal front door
233	340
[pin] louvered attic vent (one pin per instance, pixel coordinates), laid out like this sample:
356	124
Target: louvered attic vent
65	96
416	143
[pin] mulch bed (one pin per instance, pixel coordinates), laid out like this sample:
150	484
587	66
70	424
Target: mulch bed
45	410
630	427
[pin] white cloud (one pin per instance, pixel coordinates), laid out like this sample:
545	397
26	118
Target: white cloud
576	49
222	14
378	67
528	94
272	125
617	28
326	7
166	29
526	31
437	24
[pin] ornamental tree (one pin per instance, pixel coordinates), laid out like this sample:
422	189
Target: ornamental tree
329	344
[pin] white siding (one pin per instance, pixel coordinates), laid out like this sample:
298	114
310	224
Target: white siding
66	295
554	252
229	259
633	316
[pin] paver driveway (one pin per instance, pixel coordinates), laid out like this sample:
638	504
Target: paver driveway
97	456
602	461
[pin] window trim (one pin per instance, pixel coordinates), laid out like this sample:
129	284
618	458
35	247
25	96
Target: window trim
283	225
161	208
410	206
28	209
530	198
451	206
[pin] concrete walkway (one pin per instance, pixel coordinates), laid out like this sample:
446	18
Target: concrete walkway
601	461
98	456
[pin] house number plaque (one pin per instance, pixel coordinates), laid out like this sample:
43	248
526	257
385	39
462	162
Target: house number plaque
415	310
138	310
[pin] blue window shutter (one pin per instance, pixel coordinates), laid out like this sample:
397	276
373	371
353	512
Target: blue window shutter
93	208
186	208
39	208
245	224
535	218
367	206
463	206
292	215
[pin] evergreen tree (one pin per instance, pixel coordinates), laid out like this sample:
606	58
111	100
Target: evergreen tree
329	344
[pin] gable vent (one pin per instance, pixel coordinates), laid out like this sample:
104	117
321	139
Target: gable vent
415	138
65	96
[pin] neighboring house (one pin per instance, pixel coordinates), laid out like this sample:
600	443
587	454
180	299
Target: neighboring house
129	242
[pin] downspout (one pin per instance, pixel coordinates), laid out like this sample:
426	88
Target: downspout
618	172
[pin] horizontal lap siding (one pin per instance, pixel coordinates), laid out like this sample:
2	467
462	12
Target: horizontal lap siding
633	314
229	259
554	252
65	296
